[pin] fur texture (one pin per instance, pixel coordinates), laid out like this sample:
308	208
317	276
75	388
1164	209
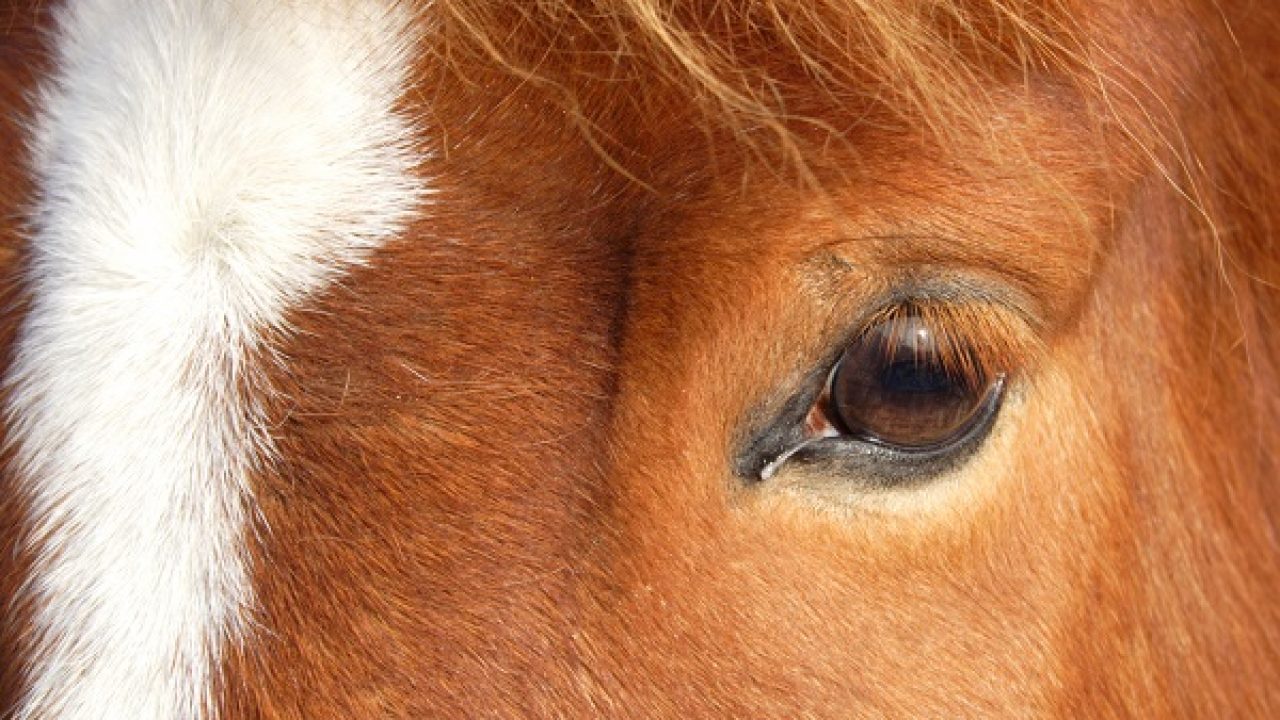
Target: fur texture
202	166
504	469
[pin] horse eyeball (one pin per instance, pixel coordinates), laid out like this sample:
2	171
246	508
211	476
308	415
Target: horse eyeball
899	385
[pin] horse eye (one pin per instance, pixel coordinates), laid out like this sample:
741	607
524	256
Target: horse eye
910	396
900	385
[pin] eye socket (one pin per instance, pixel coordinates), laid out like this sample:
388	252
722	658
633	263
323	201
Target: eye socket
905	384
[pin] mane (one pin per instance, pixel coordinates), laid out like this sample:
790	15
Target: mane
764	71
765	74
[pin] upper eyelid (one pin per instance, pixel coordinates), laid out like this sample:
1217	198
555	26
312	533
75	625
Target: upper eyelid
903	253
924	284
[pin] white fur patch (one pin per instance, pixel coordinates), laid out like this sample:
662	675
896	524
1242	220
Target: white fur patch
203	166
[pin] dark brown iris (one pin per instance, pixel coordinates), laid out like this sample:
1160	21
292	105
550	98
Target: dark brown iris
899	385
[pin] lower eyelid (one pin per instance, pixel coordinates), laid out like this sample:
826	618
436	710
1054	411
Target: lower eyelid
886	464
821	446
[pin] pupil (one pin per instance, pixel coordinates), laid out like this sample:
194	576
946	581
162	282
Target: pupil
912	378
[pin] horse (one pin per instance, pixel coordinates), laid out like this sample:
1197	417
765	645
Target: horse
645	358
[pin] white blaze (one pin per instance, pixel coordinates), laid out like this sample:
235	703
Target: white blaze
203	166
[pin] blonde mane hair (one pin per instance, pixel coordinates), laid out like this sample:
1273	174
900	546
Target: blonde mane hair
743	66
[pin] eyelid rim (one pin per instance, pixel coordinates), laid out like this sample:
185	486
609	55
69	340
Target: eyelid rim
970	432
